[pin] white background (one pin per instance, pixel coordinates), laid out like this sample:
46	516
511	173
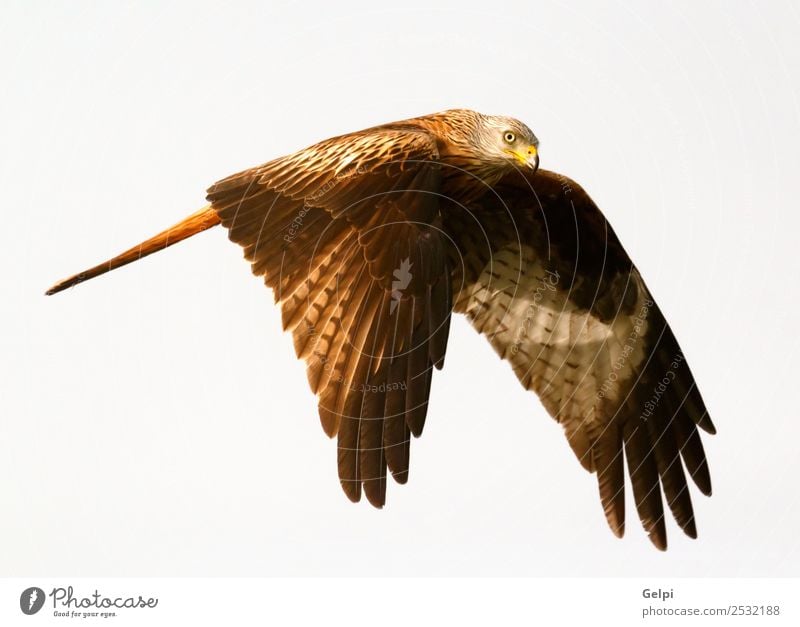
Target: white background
155	421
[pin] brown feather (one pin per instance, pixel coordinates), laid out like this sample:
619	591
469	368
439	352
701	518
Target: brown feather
196	223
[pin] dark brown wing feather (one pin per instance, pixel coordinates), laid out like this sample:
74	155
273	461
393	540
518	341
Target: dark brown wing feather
543	275
347	234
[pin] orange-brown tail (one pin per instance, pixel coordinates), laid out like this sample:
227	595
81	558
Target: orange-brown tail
194	224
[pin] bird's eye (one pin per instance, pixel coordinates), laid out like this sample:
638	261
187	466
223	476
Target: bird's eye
509	137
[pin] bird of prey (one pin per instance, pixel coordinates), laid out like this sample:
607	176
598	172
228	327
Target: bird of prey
371	240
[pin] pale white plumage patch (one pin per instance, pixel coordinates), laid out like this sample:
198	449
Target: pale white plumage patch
580	366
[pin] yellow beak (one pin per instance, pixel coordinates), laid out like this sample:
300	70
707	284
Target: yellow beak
528	158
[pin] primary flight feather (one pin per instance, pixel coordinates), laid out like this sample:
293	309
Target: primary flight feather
371	240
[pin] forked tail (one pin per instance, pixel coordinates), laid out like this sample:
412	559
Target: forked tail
199	221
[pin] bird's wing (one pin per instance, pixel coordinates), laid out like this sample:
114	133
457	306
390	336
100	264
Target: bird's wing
347	235
546	280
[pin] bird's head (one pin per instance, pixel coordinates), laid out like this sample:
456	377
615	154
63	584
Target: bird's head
507	141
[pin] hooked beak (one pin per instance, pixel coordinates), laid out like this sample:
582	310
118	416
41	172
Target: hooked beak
533	158
528	158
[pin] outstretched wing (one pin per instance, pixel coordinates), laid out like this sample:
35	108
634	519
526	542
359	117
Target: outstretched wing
347	235
546	280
